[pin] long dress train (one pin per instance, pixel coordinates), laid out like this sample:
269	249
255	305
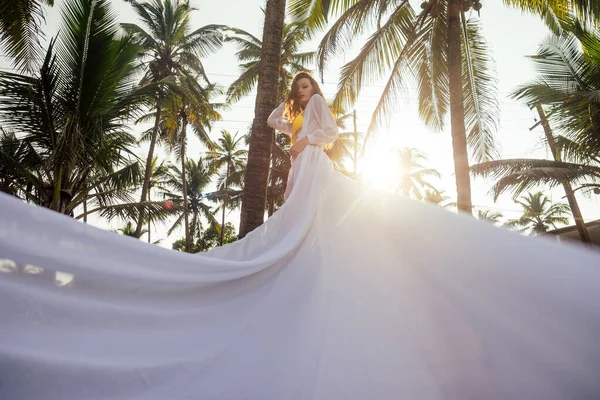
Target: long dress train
344	293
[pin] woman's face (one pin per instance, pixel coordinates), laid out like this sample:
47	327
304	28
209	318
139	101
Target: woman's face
305	91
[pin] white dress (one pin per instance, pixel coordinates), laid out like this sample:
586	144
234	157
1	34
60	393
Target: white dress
344	293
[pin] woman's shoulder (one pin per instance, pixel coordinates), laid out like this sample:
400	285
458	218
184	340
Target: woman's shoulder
318	101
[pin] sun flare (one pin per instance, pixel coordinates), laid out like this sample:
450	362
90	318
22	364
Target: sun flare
380	168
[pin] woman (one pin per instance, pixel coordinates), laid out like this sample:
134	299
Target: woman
311	120
344	293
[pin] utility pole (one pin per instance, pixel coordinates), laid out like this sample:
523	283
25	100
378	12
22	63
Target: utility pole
583	233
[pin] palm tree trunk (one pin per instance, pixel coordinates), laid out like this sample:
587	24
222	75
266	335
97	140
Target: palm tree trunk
186	220
147	174
56	203
457	111
579	223
149	234
85	211
194	226
259	154
224	205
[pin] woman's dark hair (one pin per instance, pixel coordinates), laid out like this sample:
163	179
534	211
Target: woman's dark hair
292	107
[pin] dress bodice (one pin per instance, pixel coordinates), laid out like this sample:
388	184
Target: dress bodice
297	125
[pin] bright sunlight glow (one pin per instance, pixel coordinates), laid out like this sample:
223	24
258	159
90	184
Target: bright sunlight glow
380	168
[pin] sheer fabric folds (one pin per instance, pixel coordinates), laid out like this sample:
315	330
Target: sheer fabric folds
345	293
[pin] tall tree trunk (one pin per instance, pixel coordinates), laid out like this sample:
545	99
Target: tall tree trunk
457	111
224	205
259	154
85	211
186	220
147	174
579	223
56	194
149	199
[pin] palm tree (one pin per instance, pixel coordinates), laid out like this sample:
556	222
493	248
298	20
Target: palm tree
435	197
569	75
70	121
442	48
197	179
229	154
261	140
191	106
291	61
158	176
169	49
539	214
278	173
20	29
129	230
412	174
553	11
439	46
342	150
348	145
11	180
494	217
209	238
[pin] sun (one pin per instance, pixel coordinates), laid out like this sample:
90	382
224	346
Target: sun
380	167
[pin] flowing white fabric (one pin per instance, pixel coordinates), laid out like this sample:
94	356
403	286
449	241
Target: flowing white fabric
344	293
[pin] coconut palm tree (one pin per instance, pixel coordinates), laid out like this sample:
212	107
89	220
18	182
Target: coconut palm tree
342	151
20	30
70	120
209	238
129	230
278	173
569	76
158	176
438	46
539	214
11	180
169	49
191	106
261	140
553	11
229	155
494	217
348	146
436	197
292	60
413	174
198	178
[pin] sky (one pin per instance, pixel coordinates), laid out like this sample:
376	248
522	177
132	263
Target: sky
511	37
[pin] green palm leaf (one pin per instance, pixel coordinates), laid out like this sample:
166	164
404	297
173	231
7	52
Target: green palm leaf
20	30
519	175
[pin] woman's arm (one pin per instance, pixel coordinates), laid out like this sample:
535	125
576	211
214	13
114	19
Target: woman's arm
277	121
327	131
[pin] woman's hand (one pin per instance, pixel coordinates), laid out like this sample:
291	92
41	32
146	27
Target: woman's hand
297	148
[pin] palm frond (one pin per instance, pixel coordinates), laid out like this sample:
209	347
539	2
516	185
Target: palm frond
480	93
519	175
20	30
379	54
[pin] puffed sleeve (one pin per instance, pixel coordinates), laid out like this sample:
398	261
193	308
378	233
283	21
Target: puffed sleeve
277	121
327	130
